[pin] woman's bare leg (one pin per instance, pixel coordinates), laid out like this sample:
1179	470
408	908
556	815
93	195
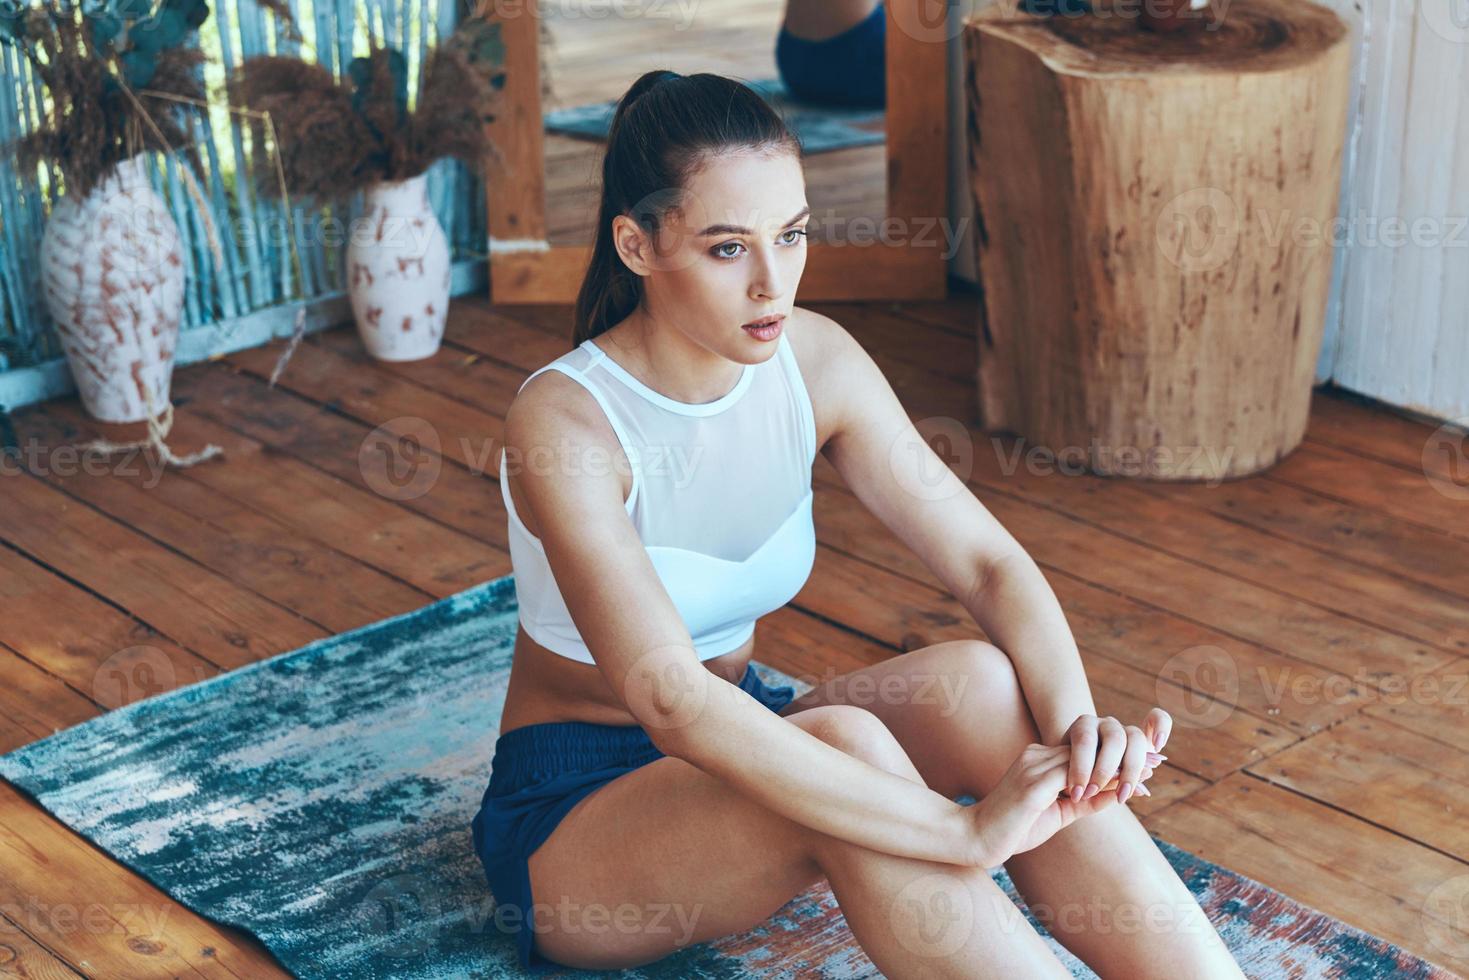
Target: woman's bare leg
1101	885
667	856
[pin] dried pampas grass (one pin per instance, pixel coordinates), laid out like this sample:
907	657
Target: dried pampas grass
94	122
334	136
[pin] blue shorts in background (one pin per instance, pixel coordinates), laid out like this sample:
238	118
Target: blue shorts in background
847	70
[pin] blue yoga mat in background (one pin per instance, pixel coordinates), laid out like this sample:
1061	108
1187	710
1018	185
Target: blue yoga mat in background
820	128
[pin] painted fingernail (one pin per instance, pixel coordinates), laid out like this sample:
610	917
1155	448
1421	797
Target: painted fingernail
1143	790
1091	790
1076	792
1123	792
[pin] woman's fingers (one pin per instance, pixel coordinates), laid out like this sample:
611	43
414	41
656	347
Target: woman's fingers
1111	743
1158	725
1134	757
1083	739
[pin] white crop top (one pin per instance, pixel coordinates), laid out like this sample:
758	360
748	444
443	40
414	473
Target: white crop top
721	498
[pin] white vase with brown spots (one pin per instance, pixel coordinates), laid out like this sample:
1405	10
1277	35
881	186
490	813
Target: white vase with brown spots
112	275
398	272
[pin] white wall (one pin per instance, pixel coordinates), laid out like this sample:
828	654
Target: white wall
1397	321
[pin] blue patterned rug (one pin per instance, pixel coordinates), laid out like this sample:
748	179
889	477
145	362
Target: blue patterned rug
321	800
820	128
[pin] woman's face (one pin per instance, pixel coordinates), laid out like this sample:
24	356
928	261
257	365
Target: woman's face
731	253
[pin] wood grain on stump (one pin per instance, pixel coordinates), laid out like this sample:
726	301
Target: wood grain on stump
1155	217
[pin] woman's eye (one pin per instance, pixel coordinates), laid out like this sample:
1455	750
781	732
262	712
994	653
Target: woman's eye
720	253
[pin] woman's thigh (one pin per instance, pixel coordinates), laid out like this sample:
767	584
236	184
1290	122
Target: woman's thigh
661	858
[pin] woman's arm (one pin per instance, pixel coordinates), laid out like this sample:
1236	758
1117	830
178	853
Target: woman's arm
891	468
643	649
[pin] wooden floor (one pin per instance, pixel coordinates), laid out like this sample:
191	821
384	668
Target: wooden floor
594	58
1342	563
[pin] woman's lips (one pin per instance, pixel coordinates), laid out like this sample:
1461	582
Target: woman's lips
765	329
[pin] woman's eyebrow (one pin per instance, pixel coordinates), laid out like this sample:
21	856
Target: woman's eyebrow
737	230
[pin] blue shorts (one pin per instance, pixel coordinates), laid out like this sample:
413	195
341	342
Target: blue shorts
538	773
846	70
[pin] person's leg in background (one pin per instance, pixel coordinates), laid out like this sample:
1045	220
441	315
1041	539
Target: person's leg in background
830	52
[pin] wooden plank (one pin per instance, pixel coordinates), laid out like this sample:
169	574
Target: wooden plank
1434	706
33	704
205	611
136	929
1363	875
1352	423
1381	487
291	424
227	537
365	525
1346	534
101	654
1191	523
1412	785
22	956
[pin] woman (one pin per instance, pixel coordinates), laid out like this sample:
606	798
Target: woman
647	790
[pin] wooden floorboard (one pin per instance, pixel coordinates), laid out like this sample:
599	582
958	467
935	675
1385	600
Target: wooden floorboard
1283	614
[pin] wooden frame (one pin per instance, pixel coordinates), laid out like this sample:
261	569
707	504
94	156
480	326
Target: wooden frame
526	268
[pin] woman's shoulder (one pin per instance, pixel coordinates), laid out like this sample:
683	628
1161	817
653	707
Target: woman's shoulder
822	347
553	405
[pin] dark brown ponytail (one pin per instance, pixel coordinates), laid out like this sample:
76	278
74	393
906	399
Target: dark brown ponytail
663	126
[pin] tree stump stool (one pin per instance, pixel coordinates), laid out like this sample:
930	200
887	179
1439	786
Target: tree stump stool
1155	215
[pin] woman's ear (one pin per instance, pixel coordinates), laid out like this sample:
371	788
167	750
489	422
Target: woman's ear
633	245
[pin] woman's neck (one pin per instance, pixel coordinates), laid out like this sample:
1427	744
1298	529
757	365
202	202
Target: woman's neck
661	357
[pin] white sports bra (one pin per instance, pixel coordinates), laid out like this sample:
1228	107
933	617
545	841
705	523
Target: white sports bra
721	498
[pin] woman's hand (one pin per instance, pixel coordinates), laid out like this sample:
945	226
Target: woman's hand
1104	748
1023	810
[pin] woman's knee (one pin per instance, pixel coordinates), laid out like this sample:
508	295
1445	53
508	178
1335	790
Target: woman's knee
983	681
858	733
